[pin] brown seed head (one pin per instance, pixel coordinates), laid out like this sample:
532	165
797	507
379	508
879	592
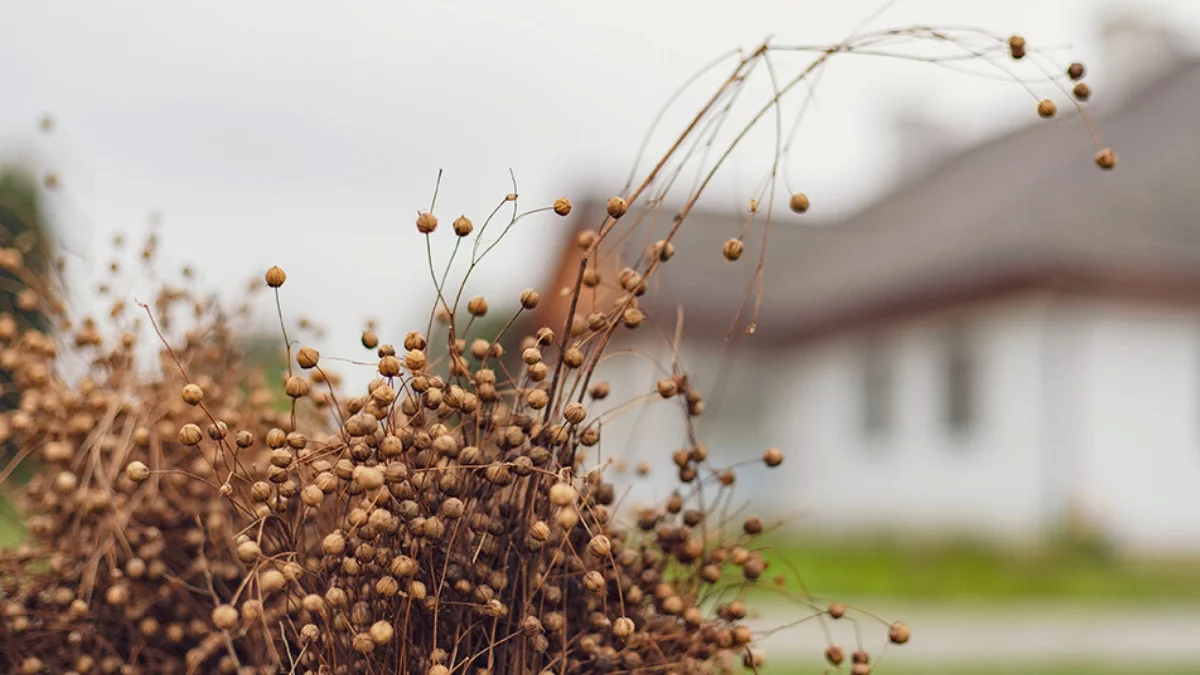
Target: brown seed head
137	471
575	413
530	298
573	357
732	250
667	388
276	277
248	551
271	581
192	394
307	357
1106	159
563	494
414	340
1075	71
837	610
190	434
773	457
587	239
1047	108
312	495
562	206
370	477
426	223
463	226
369	339
834	654
594	582
333	544
663	250
537	399
225	617
1082	91
414	360
296	387
600	546
389	366
540	531
363	644
381	632
753	525
616	207
623	627
798	202
1016	47
477	306
899	633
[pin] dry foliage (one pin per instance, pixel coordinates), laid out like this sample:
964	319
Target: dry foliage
445	520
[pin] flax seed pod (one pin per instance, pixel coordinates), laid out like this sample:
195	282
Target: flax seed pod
426	223
574	413
732	250
307	357
192	394
225	617
563	494
137	471
296	387
1016	47
276	277
773	457
190	434
463	226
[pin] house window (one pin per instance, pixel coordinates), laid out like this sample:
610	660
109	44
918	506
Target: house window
960	381
735	414
877	386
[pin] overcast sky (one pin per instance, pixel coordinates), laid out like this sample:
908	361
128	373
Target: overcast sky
307	134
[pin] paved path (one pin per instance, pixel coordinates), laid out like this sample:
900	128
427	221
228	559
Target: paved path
1008	634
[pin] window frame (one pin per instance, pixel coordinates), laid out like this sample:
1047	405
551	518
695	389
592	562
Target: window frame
958	375
876	387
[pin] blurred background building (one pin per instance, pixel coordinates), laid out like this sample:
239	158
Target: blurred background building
1006	344
972	334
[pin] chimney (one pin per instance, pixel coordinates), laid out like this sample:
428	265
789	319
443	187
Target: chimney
920	141
1138	47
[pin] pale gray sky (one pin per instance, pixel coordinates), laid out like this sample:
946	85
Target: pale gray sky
307	134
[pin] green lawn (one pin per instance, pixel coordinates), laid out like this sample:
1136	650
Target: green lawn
959	572
1063	668
11	527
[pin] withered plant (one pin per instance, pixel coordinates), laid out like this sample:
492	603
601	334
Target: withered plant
451	518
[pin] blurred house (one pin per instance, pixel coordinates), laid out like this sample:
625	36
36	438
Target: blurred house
1005	340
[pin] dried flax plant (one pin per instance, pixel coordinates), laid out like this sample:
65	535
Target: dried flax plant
451	518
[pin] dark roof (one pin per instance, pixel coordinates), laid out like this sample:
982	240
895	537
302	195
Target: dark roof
1029	205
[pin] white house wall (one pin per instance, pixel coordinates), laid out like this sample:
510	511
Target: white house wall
1140	474
919	476
1085	404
